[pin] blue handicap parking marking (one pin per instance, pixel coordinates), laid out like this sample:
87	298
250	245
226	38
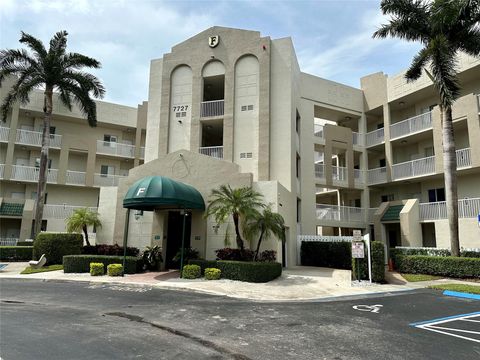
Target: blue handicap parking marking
464	326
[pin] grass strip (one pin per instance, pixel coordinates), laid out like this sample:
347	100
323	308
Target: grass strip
31	270
469	289
420	277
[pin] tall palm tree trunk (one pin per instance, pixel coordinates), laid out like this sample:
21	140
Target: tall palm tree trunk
42	176
450	173
238	237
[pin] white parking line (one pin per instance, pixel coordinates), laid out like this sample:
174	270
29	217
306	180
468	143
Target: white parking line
438	326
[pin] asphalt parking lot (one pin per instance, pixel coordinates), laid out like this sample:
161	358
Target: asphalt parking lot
58	320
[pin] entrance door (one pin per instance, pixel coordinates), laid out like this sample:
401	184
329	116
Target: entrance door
392	238
174	236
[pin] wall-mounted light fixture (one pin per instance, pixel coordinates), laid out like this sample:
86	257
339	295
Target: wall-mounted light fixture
138	214
401	103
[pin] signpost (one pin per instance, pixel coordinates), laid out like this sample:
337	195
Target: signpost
358	249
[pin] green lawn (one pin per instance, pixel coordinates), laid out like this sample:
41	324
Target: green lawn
30	270
419	277
471	289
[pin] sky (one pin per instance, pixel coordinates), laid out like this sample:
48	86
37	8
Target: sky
332	38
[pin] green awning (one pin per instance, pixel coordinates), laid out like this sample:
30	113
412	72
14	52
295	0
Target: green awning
159	192
392	213
11	209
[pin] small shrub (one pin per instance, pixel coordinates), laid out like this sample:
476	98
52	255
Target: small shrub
114	269
456	267
234	254
203	264
212	274
16	253
56	245
267	256
97	269
81	263
191	272
258	272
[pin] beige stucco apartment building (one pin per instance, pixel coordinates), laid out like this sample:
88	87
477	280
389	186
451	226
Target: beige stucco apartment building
229	106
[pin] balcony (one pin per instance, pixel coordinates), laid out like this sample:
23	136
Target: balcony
106	179
358	139
419	167
463	158
75	178
467	208
115	149
4	132
339	174
412	125
359	176
31	173
320	171
377	176
2	170
212	108
64	211
340	213
375	137
34	138
213	151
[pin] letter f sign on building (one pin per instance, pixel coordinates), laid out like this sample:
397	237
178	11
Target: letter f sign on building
140	191
213	41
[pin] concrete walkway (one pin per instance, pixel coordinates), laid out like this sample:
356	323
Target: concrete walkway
297	283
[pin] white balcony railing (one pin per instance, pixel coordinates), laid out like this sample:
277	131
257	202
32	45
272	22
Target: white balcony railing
4	132
339	173
318	130
411	125
358	139
27	137
320	171
359	176
425	166
212	108
115	149
31	173
2	170
213	151
8	241
106	179
64	211
142	152
75	178
463	158
467	208
377	176
375	137
340	213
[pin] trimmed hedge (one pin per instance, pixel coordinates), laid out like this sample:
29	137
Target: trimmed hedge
456	267
191	272
257	272
428	251
378	262
336	255
16	253
56	245
96	269
248	271
114	270
103	249
81	263
212	274
25	243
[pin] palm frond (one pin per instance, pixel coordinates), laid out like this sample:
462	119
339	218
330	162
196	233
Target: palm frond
58	44
34	44
418	63
77	61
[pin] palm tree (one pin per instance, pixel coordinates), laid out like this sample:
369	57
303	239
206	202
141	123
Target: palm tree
81	219
52	71
444	28
240	203
267	223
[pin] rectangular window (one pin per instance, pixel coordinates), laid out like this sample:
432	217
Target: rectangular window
297	123
299	206
106	170
109	140
298	166
382	163
52	131
37	163
435	195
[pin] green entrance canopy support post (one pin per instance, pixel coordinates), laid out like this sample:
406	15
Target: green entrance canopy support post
183	242
125	239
